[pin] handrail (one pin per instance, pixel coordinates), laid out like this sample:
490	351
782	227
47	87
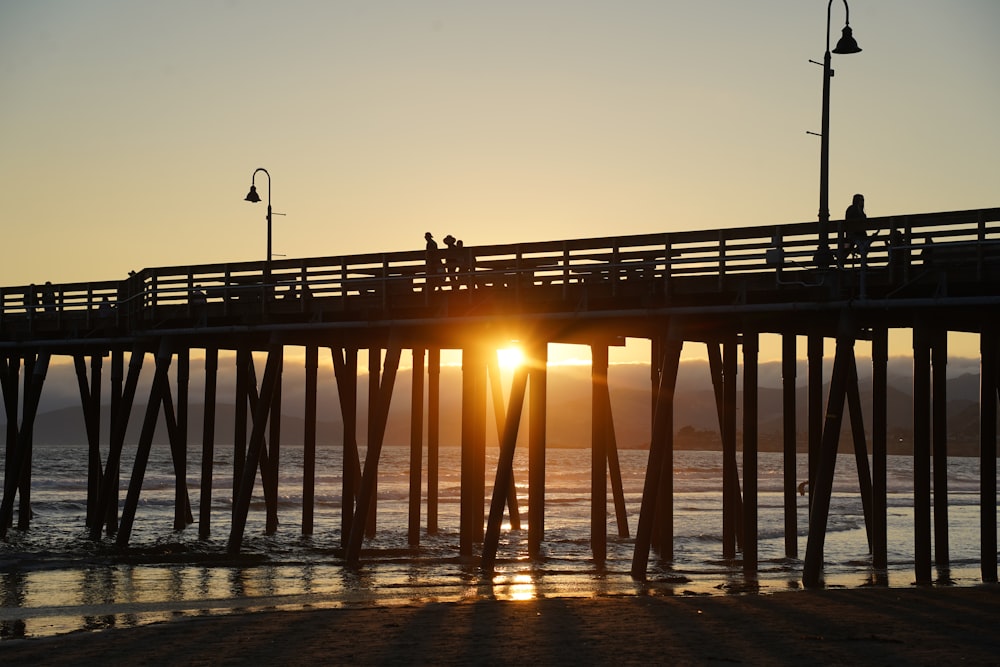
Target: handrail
723	254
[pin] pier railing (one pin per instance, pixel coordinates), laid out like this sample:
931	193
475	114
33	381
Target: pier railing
785	253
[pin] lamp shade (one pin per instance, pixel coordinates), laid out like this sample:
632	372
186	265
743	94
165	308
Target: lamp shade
847	43
252	195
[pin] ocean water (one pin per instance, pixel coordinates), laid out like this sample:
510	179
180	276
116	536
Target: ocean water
53	579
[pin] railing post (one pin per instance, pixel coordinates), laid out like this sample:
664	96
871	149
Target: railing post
667	263
227	274
385	282
616	264
981	238
722	259
565	264
343	283
152	295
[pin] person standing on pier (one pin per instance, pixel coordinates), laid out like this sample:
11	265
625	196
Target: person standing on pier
433	260
450	259
855	241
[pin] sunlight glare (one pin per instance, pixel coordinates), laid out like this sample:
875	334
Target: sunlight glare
510	358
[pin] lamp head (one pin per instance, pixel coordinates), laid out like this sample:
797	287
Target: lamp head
847	44
252	196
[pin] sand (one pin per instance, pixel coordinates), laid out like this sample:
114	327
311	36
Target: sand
914	626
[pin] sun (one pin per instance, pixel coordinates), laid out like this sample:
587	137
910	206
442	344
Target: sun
510	358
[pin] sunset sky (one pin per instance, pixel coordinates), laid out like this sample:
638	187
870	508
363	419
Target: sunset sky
130	130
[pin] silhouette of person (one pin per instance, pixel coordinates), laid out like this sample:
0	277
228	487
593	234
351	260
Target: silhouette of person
49	296
450	258
432	259
823	257
856	211
855	239
461	260
899	254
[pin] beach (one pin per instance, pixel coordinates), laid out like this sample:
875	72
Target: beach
871	626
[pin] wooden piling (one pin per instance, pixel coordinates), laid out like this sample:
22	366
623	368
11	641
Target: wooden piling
416	446
921	455
20	462
309	439
241	502
179	442
615	470
208	443
108	499
939	449
658	468
860	447
366	494
731	510
599	455
789	444
345	367
90	399
159	386
814	402
538	379
10	381
26	439
505	470
433	436
374	381
500	417
244	359
826	462
988	387
663	524
473	481
266	460
880	391
270	478
110	518
750	354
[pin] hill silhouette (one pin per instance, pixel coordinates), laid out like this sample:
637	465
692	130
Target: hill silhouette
60	419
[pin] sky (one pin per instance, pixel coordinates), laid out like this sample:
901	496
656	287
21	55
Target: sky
130	129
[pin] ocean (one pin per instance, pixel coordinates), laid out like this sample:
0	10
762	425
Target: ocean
55	580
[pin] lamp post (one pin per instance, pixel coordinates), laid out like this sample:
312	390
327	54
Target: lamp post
253	197
845	45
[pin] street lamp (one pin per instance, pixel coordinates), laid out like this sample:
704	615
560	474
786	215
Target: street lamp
253	197
846	45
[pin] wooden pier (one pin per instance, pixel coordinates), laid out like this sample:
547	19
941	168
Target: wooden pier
930	274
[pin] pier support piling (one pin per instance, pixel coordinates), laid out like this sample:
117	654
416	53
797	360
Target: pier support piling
750	353
108	499
379	412
416	446
921	455
505	470
988	387
537	362
789	444
939	450
309	439
599	455
20	463
659	468
826	463
208	443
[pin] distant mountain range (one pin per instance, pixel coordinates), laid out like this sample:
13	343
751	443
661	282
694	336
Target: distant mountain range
60	420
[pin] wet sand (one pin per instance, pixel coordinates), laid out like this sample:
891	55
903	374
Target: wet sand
914	626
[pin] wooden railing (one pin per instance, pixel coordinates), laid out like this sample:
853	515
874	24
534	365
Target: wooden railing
788	252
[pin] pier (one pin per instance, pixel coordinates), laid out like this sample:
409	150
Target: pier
929	273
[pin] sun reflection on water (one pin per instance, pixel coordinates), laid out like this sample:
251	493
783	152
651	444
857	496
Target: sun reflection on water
516	586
